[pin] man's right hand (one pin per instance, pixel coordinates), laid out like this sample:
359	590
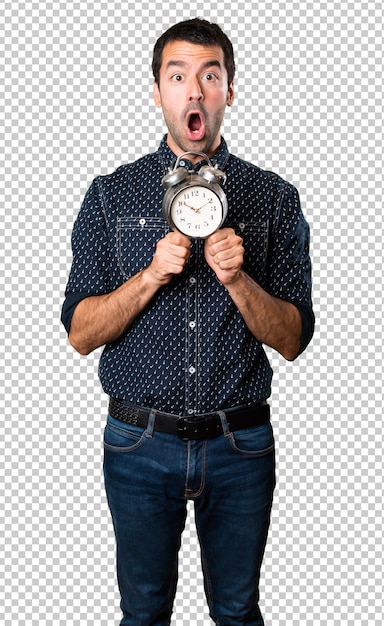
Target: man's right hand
102	319
171	254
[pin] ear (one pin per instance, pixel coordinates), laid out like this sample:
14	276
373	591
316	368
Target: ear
156	95
230	94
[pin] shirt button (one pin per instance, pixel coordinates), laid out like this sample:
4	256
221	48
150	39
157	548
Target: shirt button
190	411
192	280
142	221
192	324
192	370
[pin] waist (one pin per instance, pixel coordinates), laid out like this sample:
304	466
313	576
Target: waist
199	426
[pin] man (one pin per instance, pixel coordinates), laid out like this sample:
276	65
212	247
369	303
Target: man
183	322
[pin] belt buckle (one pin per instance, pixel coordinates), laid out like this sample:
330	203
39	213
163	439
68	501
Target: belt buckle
189	427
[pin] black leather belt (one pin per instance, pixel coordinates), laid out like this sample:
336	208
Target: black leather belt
187	427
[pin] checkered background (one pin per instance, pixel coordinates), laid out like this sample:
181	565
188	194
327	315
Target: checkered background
75	99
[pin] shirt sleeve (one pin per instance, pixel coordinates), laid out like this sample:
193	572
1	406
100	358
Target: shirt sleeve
289	275
89	273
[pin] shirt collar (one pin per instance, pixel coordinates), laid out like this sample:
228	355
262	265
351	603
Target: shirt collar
168	158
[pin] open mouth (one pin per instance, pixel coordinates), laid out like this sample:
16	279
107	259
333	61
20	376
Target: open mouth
194	122
196	127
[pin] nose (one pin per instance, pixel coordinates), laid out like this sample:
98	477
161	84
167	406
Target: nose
195	91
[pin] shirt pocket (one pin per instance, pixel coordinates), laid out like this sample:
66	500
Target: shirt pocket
136	240
255	242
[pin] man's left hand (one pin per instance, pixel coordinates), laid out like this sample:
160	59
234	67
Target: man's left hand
224	253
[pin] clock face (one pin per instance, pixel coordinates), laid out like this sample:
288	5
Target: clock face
196	211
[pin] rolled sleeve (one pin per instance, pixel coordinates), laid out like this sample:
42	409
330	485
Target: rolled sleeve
290	272
89	273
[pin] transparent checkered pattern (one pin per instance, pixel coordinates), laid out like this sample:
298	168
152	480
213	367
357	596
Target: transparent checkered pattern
76	101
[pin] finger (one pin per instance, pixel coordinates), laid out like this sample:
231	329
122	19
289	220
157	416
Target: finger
174	246
179	239
231	263
226	247
220	235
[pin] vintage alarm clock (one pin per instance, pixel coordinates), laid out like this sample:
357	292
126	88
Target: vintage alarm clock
195	204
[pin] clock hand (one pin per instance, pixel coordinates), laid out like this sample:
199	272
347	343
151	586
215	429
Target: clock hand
202	206
190	207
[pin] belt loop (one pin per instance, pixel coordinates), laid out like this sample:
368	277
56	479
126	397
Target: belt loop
151	423
224	423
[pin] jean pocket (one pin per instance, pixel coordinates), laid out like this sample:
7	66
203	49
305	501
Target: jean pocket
124	438
257	441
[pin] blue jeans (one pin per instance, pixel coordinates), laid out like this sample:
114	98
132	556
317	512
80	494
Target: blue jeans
148	478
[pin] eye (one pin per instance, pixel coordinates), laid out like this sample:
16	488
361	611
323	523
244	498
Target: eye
177	78
210	76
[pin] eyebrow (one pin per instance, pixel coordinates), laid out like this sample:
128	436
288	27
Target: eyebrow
207	64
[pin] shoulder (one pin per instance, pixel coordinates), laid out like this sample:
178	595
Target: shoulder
127	171
261	177
129	181
259	185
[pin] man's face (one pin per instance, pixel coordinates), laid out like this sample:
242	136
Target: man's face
193	94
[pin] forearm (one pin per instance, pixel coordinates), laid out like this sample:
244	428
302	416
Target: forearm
98	320
273	321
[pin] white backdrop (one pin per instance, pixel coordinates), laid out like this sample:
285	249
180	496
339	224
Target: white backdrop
76	102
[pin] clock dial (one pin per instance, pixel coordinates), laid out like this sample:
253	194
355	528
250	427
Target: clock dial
196	211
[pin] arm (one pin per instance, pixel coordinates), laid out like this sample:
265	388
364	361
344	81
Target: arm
102	319
272	321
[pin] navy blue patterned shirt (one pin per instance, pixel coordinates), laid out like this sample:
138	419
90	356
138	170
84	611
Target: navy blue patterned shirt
189	351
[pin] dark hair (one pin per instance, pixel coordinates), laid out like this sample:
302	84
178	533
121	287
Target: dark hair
199	32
